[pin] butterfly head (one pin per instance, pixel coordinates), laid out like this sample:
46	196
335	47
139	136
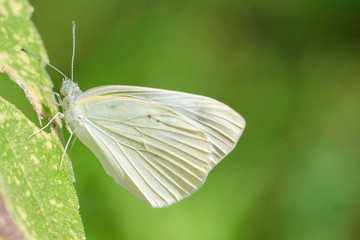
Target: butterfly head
69	89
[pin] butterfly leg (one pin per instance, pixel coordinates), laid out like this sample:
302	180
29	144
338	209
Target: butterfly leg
58	98
51	120
72	145
66	146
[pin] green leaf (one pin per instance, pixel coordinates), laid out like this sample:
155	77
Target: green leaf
36	200
40	200
16	32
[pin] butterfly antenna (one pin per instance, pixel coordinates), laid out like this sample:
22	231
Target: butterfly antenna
46	62
73	54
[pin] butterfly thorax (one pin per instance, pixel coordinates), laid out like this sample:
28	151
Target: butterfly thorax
70	92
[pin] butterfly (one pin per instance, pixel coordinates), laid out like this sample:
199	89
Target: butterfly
159	145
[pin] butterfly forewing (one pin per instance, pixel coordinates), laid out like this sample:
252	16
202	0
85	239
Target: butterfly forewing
221	124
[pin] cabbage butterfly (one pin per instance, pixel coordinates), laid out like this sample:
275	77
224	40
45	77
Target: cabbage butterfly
159	145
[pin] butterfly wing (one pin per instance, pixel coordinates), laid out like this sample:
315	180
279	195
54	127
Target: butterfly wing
159	145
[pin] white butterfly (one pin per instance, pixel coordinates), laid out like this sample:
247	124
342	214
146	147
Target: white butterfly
159	145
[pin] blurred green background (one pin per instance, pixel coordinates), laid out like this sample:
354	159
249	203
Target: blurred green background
291	68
